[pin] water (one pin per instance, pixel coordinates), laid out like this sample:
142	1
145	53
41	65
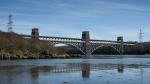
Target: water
125	70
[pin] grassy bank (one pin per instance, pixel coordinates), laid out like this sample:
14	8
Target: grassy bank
13	46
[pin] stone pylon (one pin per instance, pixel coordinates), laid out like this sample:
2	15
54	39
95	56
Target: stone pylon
120	40
86	44
35	33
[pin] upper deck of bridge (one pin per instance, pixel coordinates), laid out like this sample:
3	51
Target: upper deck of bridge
79	40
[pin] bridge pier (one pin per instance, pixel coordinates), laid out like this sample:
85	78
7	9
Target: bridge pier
120	40
86	44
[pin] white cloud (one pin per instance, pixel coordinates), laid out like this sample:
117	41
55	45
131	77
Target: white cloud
61	17
85	8
128	34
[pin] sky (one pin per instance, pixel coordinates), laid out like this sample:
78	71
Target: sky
105	19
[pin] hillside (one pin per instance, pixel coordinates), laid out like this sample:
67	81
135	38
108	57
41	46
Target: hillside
13	46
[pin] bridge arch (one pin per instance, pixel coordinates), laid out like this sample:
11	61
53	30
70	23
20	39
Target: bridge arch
74	45
115	48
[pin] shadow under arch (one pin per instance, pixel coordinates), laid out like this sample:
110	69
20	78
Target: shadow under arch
72	46
102	46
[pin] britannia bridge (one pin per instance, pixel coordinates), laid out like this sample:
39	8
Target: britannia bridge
86	45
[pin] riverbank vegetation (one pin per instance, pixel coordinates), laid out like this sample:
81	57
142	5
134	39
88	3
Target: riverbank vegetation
13	46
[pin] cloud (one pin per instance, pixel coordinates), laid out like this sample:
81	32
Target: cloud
112	5
78	8
71	17
128	34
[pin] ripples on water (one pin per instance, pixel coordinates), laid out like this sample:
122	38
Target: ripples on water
76	71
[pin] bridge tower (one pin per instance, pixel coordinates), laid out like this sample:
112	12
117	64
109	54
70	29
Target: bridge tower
86	44
35	33
120	40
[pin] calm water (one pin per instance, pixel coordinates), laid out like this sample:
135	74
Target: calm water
76	71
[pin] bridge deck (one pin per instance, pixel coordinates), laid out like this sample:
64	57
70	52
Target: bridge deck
77	40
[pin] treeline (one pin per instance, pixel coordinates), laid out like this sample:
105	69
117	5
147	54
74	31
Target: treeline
138	49
13	46
146	47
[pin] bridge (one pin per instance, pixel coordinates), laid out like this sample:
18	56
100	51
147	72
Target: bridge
86	45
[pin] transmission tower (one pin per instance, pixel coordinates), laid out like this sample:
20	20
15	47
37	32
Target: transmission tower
10	29
141	36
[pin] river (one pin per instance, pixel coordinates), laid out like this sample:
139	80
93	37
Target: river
118	70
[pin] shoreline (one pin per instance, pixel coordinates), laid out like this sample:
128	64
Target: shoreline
80	57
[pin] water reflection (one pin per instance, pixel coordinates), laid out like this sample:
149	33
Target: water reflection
120	68
85	71
34	74
76	73
84	68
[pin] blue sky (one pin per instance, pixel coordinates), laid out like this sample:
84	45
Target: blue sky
105	19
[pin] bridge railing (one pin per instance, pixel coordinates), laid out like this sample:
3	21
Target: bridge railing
66	39
112	42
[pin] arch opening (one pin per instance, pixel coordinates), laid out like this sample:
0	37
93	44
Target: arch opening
70	49
105	50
